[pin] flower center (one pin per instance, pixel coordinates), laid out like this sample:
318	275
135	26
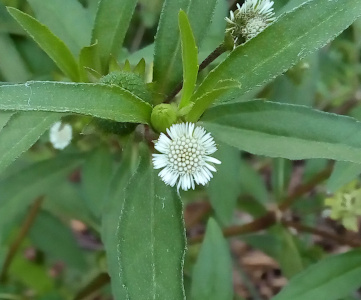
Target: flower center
253	27
186	155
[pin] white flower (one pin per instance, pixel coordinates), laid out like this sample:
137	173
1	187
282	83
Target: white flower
185	156
250	19
60	135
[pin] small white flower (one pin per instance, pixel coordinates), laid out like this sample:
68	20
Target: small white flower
60	135
185	156
250	19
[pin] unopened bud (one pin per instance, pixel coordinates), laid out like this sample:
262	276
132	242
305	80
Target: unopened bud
163	116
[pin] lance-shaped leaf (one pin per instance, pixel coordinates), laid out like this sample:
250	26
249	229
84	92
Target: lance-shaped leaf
12	67
285	130
21	132
99	100
67	19
167	54
111	24
21	188
4	118
289	39
343	173
212	274
148	230
223	193
51	44
332	278
189	58
89	62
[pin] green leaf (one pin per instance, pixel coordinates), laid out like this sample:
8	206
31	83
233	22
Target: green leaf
20	189
342	174
285	130
96	176
289	257
111	24
207	99
252	183
13	68
298	86
7	23
212	273
21	132
189	59
64	247
167	54
31	275
149	230
4	118
112	209
51	44
99	100
223	193
293	36
89	59
67	19
331	279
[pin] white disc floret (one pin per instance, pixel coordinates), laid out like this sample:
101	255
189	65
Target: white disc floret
249	19
185	156
60	135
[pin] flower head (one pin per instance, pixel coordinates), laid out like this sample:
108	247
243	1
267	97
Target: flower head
185	156
60	135
249	19
345	205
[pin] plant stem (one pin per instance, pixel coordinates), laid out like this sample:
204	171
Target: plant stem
28	222
210	58
98	282
271	217
322	233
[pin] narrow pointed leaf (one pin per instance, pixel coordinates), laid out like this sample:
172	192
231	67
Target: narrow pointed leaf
223	193
99	100
189	58
89	59
4	118
212	274
67	19
167	54
35	180
21	132
282	44
332	278
343	173
13	68
285	130
207	99
150	231
51	44
64	248
111	24
96	175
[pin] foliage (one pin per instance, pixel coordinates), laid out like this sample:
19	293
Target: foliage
96	220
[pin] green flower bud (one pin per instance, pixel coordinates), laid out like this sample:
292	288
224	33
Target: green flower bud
163	116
